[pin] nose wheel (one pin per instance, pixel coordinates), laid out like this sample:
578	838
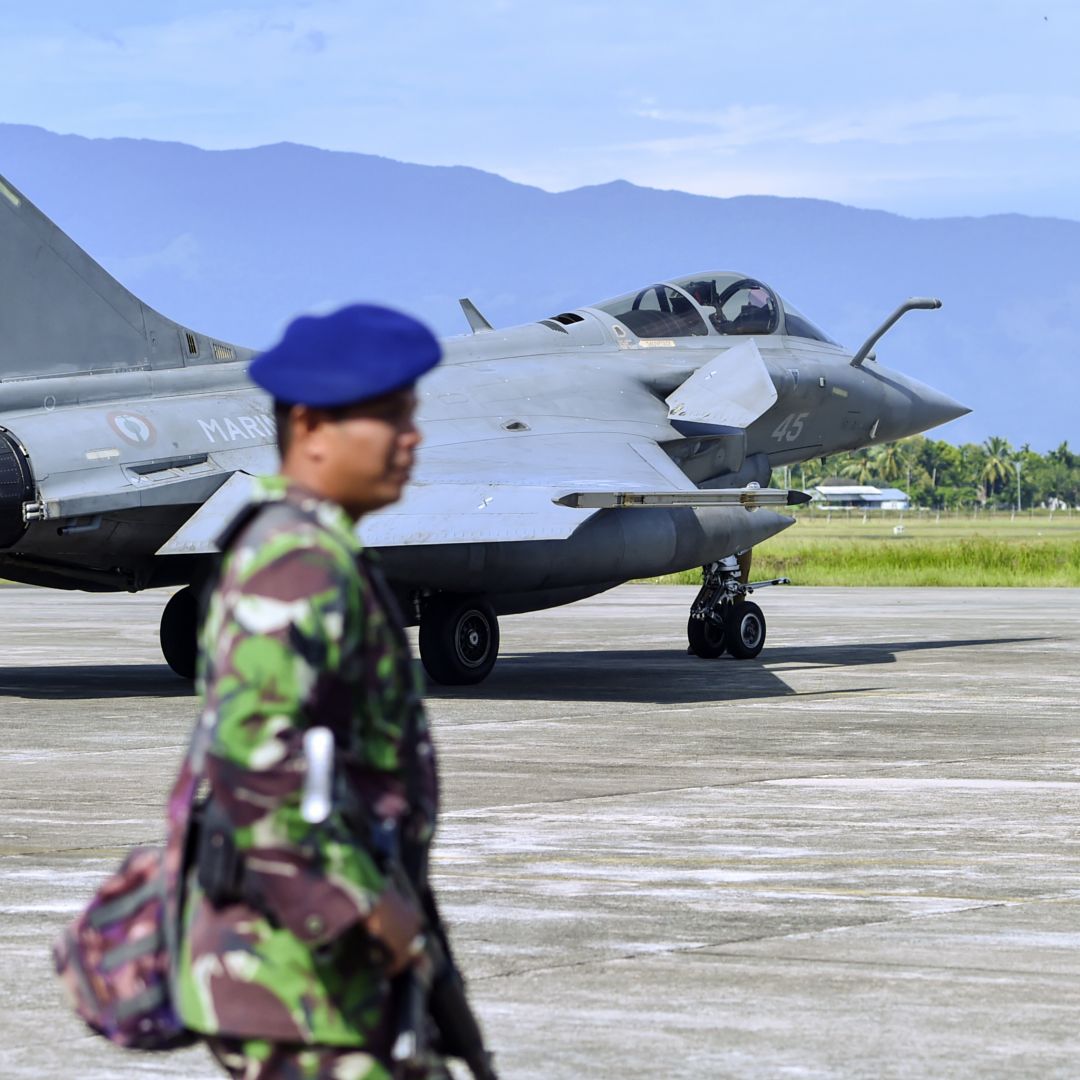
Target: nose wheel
722	619
706	637
744	628
459	639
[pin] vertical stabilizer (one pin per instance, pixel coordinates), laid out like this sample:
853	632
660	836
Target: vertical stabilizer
61	313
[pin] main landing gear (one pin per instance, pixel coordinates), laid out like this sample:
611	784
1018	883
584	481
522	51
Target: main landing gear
721	618
459	638
179	632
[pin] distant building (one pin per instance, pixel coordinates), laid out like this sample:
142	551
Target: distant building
863	496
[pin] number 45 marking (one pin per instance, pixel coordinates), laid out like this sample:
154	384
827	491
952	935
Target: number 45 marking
790	428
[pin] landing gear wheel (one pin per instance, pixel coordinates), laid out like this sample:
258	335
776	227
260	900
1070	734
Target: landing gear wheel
706	638
459	639
179	632
744	630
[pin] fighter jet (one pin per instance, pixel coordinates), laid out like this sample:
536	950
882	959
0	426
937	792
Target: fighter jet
624	439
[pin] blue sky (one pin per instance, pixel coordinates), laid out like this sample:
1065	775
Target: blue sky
924	108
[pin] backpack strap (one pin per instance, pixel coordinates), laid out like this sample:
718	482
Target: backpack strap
132	950
125	906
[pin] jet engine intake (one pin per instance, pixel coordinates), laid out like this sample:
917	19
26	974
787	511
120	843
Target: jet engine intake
708	454
16	488
755	470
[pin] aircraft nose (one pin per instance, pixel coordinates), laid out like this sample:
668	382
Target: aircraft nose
911	407
931	407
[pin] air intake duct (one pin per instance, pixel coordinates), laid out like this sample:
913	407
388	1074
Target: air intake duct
16	488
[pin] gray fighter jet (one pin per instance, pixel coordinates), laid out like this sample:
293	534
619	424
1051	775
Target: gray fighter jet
625	439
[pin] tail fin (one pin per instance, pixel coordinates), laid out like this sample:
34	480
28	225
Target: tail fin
61	313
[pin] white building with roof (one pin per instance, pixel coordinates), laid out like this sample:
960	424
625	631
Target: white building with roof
861	496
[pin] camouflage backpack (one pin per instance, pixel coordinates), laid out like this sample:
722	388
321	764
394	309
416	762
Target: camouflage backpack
114	959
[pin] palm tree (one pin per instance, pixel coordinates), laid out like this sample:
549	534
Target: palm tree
931	455
860	468
997	468
892	462
1063	456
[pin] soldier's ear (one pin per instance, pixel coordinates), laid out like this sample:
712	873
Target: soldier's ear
307	430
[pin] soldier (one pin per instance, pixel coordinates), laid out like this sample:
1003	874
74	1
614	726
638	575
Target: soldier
292	933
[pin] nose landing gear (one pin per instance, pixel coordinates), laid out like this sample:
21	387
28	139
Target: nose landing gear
721	618
744	629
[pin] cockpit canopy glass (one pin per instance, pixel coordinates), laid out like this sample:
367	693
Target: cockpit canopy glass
733	304
717	302
658	311
798	325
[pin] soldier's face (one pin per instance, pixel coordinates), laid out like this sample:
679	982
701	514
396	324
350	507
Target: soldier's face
359	456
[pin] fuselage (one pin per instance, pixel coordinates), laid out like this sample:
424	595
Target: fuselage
102	468
560	458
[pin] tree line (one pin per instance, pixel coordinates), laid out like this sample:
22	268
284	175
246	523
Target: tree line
936	474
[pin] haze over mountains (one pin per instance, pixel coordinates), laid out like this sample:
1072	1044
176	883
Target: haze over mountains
234	243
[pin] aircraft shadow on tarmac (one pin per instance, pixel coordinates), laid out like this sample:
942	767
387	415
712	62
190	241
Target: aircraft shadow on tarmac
662	676
93	681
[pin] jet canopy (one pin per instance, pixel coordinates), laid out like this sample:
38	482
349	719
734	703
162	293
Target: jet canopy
714	302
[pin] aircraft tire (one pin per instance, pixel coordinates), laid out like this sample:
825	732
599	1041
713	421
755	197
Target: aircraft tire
744	630
459	639
179	632
705	637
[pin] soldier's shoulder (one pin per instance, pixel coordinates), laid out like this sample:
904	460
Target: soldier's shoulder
281	532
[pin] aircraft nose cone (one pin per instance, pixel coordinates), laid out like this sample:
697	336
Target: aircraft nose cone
910	407
931	407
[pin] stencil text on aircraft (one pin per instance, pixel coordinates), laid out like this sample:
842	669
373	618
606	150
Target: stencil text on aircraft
226	429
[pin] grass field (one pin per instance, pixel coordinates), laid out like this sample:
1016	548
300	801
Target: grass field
921	548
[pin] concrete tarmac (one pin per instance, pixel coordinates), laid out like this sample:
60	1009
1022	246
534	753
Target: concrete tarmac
858	856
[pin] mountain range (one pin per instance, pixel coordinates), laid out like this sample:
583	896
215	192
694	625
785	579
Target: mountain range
235	242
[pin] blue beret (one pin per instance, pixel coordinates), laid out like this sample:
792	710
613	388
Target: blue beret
362	351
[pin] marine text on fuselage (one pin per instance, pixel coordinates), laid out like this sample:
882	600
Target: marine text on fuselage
257	428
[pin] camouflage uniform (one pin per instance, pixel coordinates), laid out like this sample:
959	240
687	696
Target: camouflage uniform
300	631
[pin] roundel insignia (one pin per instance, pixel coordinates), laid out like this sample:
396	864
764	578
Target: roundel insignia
132	428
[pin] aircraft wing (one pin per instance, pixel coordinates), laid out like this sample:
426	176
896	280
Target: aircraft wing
198	534
531	487
508	488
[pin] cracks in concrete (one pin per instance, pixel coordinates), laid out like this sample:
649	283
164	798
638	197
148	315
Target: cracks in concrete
729	949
